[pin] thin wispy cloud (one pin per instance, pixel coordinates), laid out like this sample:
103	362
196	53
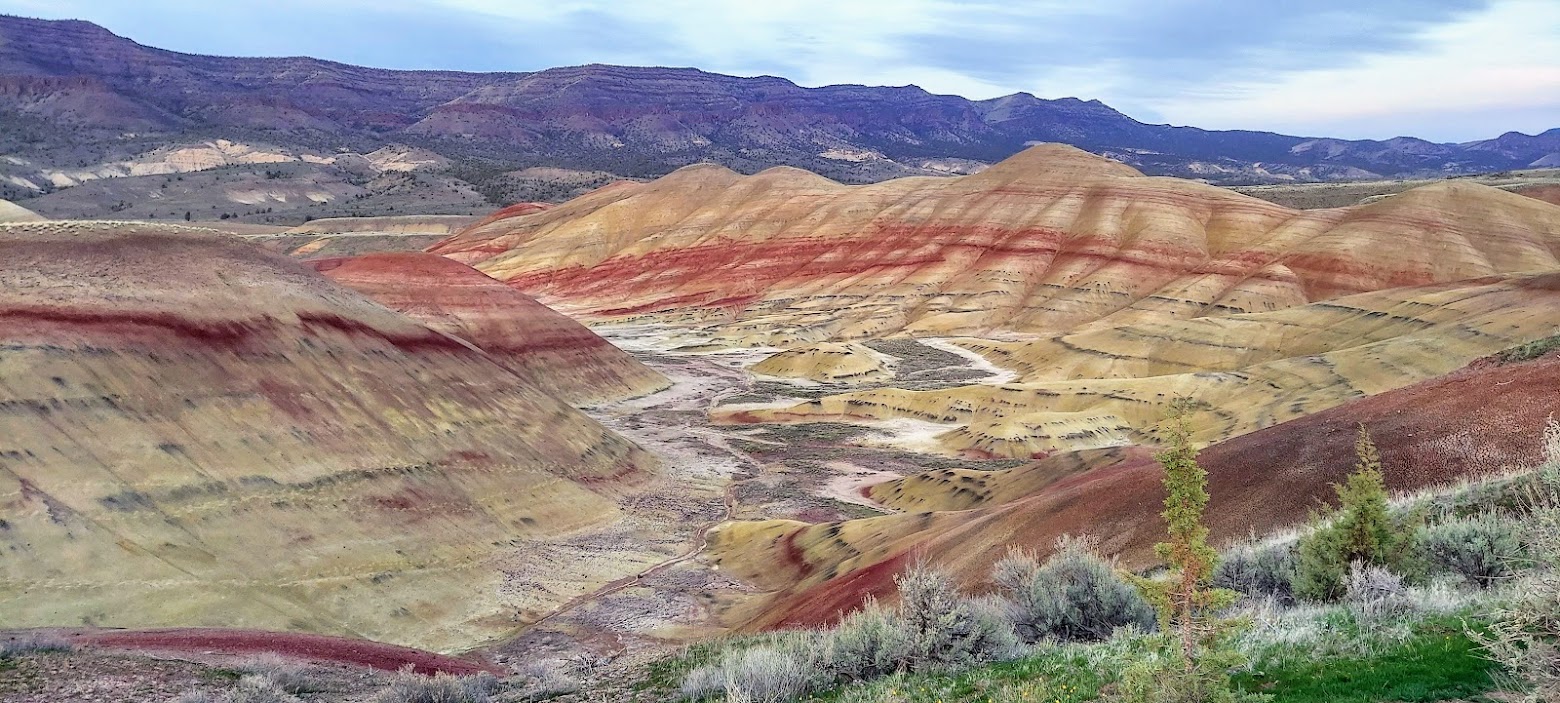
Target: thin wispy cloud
1442	69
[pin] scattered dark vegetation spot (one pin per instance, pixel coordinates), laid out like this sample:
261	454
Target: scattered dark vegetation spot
126	501
1530	351
815	432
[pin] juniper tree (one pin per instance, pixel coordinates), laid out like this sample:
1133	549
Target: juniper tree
1362	530
1197	652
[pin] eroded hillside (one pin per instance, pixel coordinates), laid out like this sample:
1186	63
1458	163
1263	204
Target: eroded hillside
1045	312
196	432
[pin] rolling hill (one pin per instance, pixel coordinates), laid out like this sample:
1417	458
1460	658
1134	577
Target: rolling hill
196	432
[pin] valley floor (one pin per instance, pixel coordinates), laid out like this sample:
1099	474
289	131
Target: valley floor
715	473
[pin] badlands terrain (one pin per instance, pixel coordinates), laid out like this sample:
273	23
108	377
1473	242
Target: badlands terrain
717	404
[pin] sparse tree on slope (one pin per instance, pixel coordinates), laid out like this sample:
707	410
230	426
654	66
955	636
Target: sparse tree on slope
1363	530
1196	652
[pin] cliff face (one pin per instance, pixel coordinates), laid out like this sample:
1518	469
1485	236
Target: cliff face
195	432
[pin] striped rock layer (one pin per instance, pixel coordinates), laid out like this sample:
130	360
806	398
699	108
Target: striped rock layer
1480	421
1113	386
1046	242
544	347
195	432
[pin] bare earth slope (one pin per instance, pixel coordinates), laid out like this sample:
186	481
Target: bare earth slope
397	224
196	432
549	350
1042	243
11	212
1110	386
1479	421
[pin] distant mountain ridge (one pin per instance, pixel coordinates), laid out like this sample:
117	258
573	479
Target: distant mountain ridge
73	94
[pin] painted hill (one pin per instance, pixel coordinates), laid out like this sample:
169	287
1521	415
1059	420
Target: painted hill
195	432
1047	241
1111	386
547	349
1462	425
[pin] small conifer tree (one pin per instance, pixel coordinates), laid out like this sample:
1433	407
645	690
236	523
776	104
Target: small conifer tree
1196	649
1362	530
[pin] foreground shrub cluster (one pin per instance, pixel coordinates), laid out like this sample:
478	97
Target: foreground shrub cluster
1525	637
934	628
1371	584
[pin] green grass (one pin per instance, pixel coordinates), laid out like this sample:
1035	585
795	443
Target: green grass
1437	663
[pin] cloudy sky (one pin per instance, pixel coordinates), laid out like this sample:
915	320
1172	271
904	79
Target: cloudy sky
1448	70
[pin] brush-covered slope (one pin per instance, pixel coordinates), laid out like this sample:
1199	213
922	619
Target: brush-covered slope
11	212
1482	420
1047	241
196	432
1112	386
544	347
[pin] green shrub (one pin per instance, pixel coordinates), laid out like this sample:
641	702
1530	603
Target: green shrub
1528	352
1075	596
1255	570
1362	529
1164	676
1483	549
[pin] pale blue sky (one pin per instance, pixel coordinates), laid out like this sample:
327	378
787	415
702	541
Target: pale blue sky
1448	70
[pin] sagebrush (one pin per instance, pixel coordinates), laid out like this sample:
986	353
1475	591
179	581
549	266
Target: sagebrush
1525	636
1076	595
409	687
